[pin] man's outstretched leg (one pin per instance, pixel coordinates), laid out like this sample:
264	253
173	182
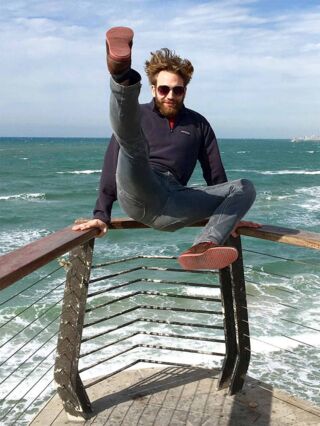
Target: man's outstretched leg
138	187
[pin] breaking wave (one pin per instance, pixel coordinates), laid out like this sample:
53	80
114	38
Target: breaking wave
24	197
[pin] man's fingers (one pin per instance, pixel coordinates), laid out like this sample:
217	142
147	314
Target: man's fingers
81	220
249	224
252	224
83	224
102	232
244	223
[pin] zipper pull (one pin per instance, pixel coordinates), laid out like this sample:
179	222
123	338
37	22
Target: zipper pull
171	124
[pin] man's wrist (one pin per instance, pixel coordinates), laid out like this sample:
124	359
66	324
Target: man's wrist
102	218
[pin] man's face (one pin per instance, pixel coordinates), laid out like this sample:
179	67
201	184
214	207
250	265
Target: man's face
169	104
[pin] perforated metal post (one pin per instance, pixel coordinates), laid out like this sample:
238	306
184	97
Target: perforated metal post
69	385
229	328
241	320
236	325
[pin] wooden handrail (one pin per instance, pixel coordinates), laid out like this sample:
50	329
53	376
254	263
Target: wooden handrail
294	237
23	261
290	236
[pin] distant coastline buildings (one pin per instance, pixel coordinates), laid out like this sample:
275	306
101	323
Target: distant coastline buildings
313	138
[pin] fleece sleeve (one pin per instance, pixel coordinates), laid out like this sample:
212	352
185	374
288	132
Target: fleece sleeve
107	187
209	157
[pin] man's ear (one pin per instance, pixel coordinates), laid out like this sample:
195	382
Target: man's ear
153	90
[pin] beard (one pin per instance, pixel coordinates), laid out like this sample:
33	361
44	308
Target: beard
169	109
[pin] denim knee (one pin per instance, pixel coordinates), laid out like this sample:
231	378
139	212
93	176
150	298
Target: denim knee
248	188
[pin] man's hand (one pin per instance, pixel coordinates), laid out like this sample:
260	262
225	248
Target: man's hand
83	224
234	232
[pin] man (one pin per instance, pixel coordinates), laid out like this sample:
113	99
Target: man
153	152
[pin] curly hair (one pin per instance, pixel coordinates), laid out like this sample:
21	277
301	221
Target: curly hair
166	60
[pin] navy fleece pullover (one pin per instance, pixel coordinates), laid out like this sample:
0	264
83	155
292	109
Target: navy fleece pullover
175	150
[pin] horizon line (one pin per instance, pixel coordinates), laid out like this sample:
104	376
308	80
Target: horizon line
108	137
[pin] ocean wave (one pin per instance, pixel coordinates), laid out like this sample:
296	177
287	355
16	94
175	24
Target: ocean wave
291	172
24	197
119	250
271	197
277	172
17	238
276	343
313	191
310	198
79	172
267	344
311	206
202	292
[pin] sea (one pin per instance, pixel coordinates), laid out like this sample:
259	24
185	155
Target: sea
46	183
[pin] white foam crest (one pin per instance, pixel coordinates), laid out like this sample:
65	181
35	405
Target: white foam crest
278	197
242	170
277	172
17	238
290	172
116	250
268	344
311	206
202	291
311	202
313	191
79	172
24	197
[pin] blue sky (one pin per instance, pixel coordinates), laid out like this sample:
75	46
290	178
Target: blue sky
257	63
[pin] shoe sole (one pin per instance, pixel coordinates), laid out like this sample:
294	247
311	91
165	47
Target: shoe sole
118	42
213	258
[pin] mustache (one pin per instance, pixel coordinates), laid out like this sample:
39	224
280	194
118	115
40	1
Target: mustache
170	103
168	108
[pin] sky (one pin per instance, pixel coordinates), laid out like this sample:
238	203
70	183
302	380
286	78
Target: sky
257	63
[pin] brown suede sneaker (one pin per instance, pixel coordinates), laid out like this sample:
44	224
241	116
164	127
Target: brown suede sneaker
207	255
119	44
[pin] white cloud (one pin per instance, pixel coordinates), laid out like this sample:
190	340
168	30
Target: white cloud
309	47
251	68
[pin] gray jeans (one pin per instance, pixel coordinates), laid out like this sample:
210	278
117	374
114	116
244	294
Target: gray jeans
158	199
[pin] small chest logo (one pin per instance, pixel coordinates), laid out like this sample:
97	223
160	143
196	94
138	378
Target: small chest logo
185	132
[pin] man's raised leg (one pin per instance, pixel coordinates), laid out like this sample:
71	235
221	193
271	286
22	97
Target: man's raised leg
137	185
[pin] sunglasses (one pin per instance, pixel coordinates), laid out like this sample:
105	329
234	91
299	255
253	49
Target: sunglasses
176	90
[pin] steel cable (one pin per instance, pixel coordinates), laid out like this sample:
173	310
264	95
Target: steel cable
27	288
33	353
32	322
32	304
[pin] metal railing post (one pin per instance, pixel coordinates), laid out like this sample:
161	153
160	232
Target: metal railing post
241	320
236	325
229	328
69	385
